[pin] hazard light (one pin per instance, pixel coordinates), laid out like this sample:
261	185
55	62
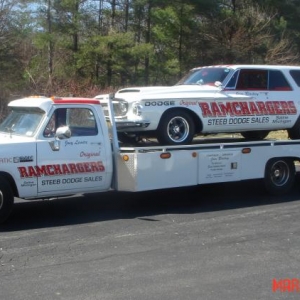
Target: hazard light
75	100
165	155
125	157
246	150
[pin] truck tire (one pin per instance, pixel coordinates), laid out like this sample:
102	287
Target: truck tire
176	128
255	135
279	175
6	199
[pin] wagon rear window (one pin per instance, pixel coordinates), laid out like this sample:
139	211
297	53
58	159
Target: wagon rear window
277	81
296	76
255	79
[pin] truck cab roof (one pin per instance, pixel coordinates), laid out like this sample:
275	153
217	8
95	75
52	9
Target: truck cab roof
45	103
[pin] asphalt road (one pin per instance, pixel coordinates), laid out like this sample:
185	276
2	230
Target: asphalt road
221	241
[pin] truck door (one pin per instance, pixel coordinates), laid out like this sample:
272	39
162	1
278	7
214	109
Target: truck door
76	164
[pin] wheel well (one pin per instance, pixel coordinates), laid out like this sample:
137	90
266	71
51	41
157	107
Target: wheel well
12	183
295	160
292	158
195	117
296	124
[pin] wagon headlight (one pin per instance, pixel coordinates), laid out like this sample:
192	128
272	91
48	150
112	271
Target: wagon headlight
120	107
137	108
123	106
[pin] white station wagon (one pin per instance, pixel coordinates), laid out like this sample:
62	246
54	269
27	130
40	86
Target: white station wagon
248	99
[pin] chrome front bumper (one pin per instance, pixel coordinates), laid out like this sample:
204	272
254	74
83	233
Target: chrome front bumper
127	124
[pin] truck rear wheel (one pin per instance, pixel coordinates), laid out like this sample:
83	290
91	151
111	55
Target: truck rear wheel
294	132
255	135
279	175
176	128
6	199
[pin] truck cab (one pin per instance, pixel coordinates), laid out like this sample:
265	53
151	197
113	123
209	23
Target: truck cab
55	146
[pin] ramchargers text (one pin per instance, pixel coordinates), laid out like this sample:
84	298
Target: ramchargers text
61	169
246	108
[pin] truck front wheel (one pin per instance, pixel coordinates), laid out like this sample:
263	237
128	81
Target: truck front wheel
176	128
279	175
6	199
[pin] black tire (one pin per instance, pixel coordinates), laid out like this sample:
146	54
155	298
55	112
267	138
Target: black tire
279	175
6	199
255	135
128	138
176	128
294	132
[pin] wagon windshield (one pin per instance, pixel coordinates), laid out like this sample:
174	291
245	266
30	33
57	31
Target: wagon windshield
203	76
22	121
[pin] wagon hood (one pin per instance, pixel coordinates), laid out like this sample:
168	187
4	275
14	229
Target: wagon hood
134	93
178	91
141	89
129	92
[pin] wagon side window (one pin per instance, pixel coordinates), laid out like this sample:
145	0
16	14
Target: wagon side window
277	81
250	79
232	82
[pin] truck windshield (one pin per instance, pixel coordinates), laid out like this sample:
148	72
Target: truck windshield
206	75
22	121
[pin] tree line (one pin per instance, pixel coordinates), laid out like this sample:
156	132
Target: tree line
84	47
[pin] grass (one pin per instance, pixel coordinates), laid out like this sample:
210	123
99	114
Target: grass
278	135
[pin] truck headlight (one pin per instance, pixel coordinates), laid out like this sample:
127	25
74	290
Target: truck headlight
137	108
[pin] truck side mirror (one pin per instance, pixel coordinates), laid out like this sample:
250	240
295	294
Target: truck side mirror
63	133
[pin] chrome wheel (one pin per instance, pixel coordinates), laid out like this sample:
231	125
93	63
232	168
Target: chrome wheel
178	129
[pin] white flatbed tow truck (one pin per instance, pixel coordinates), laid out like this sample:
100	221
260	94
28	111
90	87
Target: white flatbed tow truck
55	147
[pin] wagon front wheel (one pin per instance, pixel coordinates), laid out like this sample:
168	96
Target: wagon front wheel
176	128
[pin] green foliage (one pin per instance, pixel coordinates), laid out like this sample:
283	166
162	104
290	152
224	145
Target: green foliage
61	45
